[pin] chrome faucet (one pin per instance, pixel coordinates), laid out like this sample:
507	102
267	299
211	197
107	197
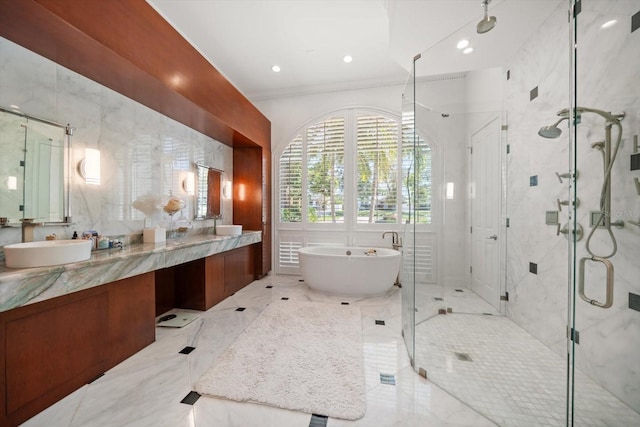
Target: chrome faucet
215	220
395	240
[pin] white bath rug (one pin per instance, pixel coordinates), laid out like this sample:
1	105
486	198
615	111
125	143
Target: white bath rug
304	356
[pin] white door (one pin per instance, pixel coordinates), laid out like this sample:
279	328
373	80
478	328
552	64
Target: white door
485	212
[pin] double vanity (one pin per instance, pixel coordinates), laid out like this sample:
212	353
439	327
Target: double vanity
63	326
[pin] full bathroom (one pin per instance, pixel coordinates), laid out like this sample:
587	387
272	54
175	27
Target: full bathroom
506	185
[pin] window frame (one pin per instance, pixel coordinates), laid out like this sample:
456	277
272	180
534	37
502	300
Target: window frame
350	202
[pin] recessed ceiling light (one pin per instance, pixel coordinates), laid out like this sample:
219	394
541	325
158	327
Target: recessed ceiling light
462	44
347	58
609	24
467	50
275	68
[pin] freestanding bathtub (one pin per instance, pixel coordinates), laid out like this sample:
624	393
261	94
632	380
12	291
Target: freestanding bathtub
349	271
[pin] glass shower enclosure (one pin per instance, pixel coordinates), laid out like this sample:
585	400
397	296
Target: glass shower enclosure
520	297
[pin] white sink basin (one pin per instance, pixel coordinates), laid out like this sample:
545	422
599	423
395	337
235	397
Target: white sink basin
228	230
46	253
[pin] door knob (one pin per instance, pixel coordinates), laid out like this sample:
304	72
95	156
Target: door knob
494	237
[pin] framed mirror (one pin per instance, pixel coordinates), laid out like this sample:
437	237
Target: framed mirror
33	182
208	192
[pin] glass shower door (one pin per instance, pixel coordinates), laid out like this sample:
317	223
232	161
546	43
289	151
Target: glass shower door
498	339
605	328
407	271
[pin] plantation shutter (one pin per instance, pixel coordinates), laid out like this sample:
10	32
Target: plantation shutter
291	182
325	171
377	183
415	165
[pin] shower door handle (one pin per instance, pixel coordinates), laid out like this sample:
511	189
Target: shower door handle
494	237
609	293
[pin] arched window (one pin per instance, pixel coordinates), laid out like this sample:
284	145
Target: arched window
354	168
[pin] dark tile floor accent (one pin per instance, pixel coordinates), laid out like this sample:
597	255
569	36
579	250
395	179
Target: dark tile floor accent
284	298
241	309
191	398
269	287
380	322
344	303
438	299
459	290
387	379
318	420
187	350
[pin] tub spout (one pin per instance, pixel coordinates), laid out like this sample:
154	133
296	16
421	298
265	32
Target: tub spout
395	240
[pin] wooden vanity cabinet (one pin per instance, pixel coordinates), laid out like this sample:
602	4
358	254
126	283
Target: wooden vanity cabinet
52	348
203	283
199	284
239	268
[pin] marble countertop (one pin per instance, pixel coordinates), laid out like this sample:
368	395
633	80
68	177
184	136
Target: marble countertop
20	287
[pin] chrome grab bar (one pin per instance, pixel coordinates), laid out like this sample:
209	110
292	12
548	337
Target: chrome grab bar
609	297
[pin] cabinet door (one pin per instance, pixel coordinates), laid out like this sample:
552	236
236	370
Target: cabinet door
239	268
52	352
132	322
214	280
51	348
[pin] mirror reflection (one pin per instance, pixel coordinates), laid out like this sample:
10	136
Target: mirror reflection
32	178
208	192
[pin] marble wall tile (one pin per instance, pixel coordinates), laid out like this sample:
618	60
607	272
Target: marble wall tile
27	80
142	152
608	64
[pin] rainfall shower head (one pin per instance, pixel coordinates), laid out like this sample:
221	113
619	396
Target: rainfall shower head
488	22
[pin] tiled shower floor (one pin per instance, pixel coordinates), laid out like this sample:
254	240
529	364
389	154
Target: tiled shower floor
511	377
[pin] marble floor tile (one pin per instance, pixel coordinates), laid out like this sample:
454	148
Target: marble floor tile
147	388
61	413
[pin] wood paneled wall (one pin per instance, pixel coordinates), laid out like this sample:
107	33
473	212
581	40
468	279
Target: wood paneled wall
127	46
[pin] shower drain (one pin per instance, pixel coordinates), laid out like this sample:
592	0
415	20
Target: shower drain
464	357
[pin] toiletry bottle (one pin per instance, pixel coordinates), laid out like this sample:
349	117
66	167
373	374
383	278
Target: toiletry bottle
75	235
103	242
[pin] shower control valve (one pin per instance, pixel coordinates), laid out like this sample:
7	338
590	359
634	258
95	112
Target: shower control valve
566	175
570	234
567	203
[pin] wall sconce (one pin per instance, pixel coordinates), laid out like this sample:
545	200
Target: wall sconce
12	183
242	192
189	183
227	190
449	191
89	167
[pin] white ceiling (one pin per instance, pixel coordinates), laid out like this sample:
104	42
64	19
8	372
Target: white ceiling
309	38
